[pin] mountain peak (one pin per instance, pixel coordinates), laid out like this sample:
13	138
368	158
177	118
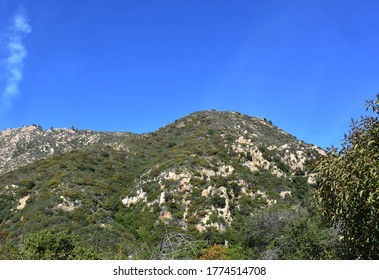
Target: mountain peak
204	173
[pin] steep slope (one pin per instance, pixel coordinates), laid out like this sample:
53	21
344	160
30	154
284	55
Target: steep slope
210	166
202	175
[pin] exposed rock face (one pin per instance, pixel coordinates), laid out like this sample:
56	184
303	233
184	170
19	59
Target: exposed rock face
128	201
67	205
28	144
22	202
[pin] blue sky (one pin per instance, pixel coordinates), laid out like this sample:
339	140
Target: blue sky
120	65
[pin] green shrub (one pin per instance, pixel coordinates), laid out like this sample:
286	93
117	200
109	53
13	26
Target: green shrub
348	187
54	244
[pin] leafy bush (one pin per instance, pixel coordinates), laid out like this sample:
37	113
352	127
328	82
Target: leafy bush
264	226
348	187
50	244
305	238
218	201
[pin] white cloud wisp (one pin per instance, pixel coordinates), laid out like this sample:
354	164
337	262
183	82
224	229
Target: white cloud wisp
16	54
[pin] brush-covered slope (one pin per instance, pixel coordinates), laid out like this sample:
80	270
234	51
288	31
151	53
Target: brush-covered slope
28	144
209	166
204	174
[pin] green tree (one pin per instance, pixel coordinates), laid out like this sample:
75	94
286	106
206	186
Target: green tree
348	187
54	244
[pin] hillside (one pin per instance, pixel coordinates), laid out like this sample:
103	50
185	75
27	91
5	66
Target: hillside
203	178
28	144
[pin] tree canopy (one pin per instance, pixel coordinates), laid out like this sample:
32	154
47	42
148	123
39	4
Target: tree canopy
348	187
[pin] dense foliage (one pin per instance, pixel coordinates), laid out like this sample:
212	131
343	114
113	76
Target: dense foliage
348	188
49	244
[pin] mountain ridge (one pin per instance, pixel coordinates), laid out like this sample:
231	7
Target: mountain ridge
14	142
28	144
202	175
